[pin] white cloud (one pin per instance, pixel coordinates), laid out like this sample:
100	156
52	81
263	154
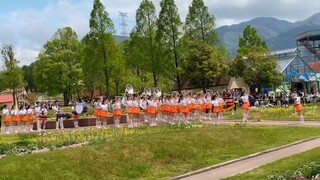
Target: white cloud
29	29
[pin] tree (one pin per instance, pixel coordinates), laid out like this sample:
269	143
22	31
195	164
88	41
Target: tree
103	43
142	46
254	62
206	64
29	78
58	68
168	35
200	23
12	76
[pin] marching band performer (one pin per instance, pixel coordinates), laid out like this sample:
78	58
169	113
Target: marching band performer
152	110
171	109
216	109
245	106
30	117
177	100
208	105
298	107
184	109
105	112
221	104
75	115
117	112
97	112
15	118
23	117
191	106
59	115
144	106
136	110
37	110
43	117
6	119
130	110
201	106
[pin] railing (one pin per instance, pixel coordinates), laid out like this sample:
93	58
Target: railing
307	34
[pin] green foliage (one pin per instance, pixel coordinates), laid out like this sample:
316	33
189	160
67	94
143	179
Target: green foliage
254	63
29	78
141	50
200	23
168	34
203	65
58	68
102	53
12	76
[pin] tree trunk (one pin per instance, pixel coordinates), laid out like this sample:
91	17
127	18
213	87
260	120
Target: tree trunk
91	93
65	98
117	87
14	97
155	80
107	83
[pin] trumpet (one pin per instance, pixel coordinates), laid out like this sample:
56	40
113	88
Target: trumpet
129	89
157	92
147	91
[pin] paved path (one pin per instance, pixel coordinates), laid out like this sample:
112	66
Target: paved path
253	162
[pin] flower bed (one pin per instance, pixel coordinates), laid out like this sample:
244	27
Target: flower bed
43	142
311	171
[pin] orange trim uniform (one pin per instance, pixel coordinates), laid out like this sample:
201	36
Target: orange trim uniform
298	107
15	118
117	112
23	118
30	117
245	105
6	119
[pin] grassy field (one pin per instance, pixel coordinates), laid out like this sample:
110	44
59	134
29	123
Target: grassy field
281	166
278	113
152	155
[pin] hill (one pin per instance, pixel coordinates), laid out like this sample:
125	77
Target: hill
278	34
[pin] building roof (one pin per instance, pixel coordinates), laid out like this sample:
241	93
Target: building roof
284	63
315	66
6	98
284	51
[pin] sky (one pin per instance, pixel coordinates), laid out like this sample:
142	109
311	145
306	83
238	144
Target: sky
29	24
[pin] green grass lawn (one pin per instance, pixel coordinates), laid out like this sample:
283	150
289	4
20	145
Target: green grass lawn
278	113
281	166
157	155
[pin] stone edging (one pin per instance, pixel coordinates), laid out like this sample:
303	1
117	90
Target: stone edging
240	159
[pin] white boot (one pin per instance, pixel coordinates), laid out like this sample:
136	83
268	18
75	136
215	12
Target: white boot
61	123
6	129
105	125
31	127
57	125
301	119
15	128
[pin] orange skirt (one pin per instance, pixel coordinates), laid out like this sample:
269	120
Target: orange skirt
201	107
117	112
23	118
15	118
162	108
152	110
298	107
178	108
245	105
216	109
74	116
184	109
104	114
130	110
136	110
191	107
97	112
30	117
208	106
6	119
173	109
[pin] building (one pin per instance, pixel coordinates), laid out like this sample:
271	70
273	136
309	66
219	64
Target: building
301	65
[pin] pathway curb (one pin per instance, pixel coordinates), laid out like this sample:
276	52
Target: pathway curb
240	159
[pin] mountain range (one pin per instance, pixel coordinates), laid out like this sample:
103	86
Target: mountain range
278	34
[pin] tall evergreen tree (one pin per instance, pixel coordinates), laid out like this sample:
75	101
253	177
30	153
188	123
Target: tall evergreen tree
102	43
168	35
143	40
200	23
